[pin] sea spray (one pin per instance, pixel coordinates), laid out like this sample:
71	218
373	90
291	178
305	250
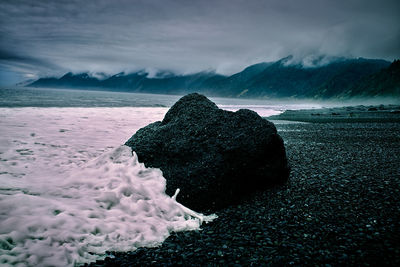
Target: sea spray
112	203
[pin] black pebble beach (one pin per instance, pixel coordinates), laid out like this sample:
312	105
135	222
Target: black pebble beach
341	207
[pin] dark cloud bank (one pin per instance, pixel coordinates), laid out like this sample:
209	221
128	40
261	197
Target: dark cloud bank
41	38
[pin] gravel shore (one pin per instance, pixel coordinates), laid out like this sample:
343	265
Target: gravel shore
340	207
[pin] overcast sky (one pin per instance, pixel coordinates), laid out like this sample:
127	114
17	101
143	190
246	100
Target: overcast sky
49	38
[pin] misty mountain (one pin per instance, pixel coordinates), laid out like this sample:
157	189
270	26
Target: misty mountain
181	84
236	84
384	83
82	80
163	82
343	76
124	81
283	78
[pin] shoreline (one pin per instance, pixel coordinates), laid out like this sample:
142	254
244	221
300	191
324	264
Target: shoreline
340	207
349	114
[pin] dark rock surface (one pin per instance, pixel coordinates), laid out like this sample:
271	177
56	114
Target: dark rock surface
341	207
214	156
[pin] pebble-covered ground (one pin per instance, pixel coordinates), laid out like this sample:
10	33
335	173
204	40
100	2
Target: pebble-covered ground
341	207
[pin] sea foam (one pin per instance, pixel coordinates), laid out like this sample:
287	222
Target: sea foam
114	203
69	192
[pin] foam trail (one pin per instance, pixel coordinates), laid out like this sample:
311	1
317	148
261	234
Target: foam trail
113	203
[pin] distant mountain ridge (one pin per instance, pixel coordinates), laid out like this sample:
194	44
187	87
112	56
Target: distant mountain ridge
341	78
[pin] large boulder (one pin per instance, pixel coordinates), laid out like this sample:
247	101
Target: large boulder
214	156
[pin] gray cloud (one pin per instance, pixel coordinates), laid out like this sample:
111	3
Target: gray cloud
51	37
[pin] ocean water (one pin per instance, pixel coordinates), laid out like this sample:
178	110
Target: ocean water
70	190
44	97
